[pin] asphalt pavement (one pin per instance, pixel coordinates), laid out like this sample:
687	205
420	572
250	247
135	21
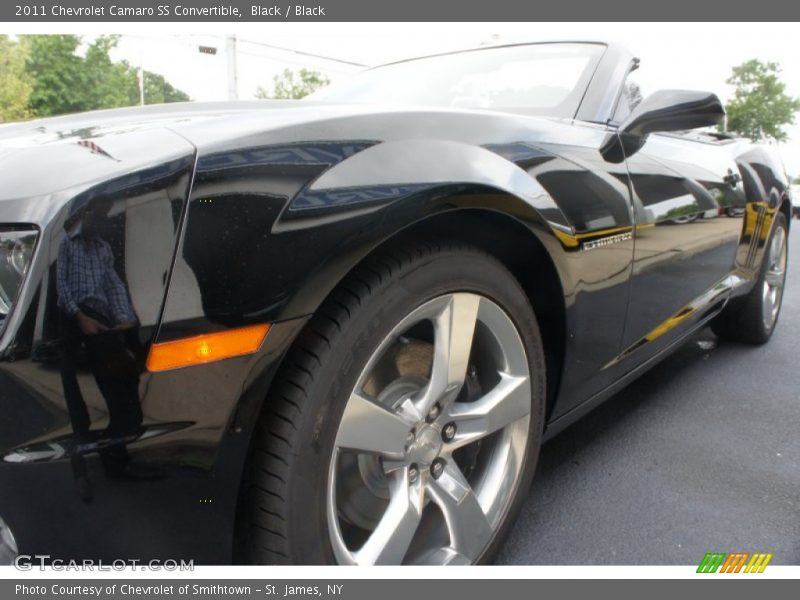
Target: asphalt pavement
700	454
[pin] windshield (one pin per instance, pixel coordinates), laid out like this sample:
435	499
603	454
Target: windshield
547	79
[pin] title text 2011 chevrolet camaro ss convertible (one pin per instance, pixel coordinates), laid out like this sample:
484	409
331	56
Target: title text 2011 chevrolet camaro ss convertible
338	330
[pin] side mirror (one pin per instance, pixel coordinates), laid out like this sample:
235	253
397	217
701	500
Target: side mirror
665	110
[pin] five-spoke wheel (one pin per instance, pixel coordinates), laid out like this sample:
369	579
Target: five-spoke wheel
432	439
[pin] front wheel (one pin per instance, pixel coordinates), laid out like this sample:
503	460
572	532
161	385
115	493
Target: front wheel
406	424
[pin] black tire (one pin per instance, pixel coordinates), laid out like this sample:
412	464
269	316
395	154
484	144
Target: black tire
282	514
742	320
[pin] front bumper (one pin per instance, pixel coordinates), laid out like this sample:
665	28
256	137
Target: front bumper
165	490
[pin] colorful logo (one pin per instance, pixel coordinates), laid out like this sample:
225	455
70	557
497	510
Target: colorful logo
743	562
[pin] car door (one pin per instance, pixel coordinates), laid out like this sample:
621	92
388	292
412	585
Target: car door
688	200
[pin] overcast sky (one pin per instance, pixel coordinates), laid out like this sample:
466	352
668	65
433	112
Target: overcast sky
674	55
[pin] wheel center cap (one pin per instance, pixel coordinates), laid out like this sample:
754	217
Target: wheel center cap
426	446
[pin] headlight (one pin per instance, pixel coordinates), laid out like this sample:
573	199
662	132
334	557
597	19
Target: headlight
16	251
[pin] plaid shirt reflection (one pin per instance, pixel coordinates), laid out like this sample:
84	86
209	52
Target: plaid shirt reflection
86	276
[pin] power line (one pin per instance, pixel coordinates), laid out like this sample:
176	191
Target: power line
293	61
303	53
175	39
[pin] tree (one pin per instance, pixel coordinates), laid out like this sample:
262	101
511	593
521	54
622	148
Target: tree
293	84
158	90
108	84
15	85
65	82
59	81
760	108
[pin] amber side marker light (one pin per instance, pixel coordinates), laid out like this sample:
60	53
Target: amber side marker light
202	349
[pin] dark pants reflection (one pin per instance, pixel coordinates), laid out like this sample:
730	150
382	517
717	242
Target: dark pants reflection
112	359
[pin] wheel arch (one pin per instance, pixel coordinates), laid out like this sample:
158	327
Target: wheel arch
470	193
525	256
518	236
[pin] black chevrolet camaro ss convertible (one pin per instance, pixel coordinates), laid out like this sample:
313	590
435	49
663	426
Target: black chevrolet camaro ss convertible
337	330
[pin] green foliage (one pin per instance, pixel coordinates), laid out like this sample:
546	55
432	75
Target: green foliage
45	75
293	84
57	74
15	85
107	84
760	107
158	90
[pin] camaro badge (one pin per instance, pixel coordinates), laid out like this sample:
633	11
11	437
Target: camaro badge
607	241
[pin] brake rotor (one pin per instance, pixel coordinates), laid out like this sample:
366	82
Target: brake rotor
363	490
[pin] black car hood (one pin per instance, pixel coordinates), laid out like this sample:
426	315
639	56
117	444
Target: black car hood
101	122
62	155
46	156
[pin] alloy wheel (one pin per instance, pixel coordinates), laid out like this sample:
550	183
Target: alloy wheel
432	442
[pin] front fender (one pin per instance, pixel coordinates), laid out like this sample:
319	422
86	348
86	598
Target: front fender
305	224
271	230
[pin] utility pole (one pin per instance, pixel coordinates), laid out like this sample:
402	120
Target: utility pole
141	85
233	74
141	74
